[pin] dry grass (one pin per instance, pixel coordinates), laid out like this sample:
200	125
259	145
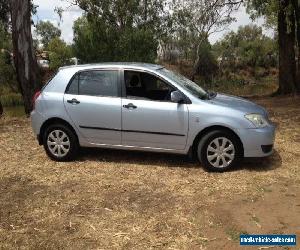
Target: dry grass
130	200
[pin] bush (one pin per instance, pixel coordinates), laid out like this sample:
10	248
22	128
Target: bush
8	82
12	99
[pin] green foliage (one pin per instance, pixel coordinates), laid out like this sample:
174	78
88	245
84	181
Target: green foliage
8	81
59	53
4	10
247	47
203	17
207	66
11	99
193	22
118	30
47	31
7	74
108	44
5	37
266	8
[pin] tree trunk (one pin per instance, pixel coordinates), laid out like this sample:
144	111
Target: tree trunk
296	5
24	56
287	61
1	109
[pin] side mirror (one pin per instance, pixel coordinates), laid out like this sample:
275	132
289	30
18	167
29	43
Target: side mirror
177	97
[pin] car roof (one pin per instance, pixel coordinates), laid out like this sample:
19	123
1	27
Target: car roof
131	65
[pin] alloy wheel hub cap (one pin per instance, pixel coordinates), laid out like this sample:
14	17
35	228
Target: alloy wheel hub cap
220	152
58	143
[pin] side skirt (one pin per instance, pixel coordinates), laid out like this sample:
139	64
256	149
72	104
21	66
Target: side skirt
134	148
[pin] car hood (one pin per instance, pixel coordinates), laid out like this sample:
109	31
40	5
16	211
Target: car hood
237	103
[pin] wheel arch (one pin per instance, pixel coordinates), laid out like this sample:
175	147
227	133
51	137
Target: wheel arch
206	130
54	120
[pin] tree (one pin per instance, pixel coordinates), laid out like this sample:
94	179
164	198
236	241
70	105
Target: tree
7	71
283	15
110	44
296	5
249	46
126	30
4	12
24	56
1	109
286	39
59	53
207	66
47	31
202	18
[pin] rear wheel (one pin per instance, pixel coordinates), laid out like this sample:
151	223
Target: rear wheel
219	151
60	142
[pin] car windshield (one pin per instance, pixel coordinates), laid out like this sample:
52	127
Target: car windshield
185	83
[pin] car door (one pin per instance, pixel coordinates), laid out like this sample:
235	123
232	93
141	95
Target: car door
93	102
149	118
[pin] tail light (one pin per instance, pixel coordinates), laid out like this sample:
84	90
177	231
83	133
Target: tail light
35	97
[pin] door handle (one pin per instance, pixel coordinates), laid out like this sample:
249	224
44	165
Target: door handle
73	101
130	106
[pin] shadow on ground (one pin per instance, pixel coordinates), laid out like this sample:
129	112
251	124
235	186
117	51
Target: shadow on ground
172	160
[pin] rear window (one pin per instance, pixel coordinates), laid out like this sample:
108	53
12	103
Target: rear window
95	83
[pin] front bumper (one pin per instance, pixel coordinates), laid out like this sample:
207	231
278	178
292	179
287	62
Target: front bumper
257	142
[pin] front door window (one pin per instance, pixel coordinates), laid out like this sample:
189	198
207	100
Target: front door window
144	86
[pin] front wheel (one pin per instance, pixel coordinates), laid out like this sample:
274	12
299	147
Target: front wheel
219	151
60	142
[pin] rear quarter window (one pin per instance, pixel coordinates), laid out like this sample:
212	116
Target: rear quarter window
73	87
60	81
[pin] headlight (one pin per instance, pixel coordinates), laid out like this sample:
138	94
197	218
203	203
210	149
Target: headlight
258	120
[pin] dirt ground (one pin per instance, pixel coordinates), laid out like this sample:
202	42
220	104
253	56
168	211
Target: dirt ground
131	200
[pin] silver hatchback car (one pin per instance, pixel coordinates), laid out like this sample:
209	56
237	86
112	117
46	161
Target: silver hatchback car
147	107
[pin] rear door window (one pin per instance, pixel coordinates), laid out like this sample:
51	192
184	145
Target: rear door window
95	83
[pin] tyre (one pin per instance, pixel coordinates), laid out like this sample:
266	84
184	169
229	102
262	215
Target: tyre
219	151
60	142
